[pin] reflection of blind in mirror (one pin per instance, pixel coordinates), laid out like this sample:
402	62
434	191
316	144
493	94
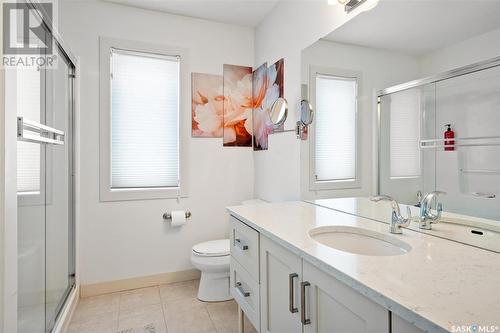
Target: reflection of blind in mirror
335	128
405	134
28	153
145	120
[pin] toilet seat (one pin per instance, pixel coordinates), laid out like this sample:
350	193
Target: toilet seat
215	248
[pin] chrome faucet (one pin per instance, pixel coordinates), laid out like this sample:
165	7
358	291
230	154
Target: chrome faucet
427	218
397	220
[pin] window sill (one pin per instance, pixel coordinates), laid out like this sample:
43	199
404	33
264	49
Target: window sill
130	194
334	185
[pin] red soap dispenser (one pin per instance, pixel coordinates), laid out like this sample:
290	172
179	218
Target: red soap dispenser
449	145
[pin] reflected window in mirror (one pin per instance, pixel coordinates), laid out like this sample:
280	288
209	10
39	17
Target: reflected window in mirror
334	142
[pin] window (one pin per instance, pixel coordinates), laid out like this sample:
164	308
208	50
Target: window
405	134
140	122
334	135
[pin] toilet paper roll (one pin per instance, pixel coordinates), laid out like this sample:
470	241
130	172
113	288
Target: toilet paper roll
178	218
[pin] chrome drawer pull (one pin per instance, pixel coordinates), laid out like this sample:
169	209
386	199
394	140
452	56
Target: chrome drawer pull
240	244
290	292
303	319
239	287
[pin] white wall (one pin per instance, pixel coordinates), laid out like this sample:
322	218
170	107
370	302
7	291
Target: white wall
378	69
288	29
466	52
119	240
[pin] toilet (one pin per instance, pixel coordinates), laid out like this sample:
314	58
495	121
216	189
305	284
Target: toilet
212	259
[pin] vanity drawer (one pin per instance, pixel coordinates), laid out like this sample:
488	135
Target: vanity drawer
245	290
245	246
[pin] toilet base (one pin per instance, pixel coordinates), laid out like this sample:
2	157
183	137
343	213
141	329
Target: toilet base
214	287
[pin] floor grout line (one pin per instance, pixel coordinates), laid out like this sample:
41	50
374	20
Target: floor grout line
163	310
119	306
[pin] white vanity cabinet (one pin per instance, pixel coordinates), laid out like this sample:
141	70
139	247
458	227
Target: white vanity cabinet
333	307
280	275
291	295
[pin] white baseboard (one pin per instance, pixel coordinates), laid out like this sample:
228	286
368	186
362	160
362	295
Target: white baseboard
137	282
62	324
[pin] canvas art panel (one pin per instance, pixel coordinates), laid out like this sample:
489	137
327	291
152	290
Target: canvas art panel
207	103
261	121
237	85
268	86
276	85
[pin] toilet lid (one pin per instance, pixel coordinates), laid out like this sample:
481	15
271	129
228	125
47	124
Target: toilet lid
215	248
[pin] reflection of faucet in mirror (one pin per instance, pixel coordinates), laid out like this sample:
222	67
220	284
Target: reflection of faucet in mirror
397	220
419	198
427	218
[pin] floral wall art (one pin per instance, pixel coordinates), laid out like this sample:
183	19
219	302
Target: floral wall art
207	103
237	106
268	86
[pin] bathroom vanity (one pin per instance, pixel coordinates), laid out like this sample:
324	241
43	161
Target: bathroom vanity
297	266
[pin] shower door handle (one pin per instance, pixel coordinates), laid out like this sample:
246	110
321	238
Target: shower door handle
32	131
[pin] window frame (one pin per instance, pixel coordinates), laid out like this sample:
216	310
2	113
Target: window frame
106	192
341	184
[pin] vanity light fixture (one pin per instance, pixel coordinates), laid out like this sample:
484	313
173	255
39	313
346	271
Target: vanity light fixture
350	5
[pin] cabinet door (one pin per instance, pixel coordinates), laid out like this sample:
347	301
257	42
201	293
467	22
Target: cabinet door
333	307
280	272
399	325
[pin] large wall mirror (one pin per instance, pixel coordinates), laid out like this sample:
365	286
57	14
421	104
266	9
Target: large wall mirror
387	89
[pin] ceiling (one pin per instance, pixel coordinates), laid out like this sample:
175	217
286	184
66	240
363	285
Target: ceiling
418	27
241	12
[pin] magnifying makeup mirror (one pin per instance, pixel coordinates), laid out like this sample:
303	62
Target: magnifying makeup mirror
306	113
278	112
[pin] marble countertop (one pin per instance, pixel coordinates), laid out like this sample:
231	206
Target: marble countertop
438	285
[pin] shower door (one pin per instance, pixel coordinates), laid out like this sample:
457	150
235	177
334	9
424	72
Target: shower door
46	269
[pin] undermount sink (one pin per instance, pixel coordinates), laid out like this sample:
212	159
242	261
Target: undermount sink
359	241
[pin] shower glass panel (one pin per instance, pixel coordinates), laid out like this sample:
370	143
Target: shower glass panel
406	117
31	199
45	192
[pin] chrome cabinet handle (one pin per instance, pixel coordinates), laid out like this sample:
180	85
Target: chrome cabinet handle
239	287
240	244
303	319
290	292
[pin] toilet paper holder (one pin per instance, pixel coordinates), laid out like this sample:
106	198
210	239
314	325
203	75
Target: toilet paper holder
168	216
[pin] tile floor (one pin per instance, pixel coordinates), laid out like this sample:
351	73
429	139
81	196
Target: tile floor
170	308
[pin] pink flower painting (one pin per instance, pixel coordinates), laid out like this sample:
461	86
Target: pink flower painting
206	105
268	86
238	105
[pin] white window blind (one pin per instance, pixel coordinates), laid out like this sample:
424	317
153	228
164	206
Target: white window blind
405	134
335	128
144	120
28	153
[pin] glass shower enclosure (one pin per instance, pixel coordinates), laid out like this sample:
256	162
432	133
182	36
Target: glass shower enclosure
414	155
46	245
